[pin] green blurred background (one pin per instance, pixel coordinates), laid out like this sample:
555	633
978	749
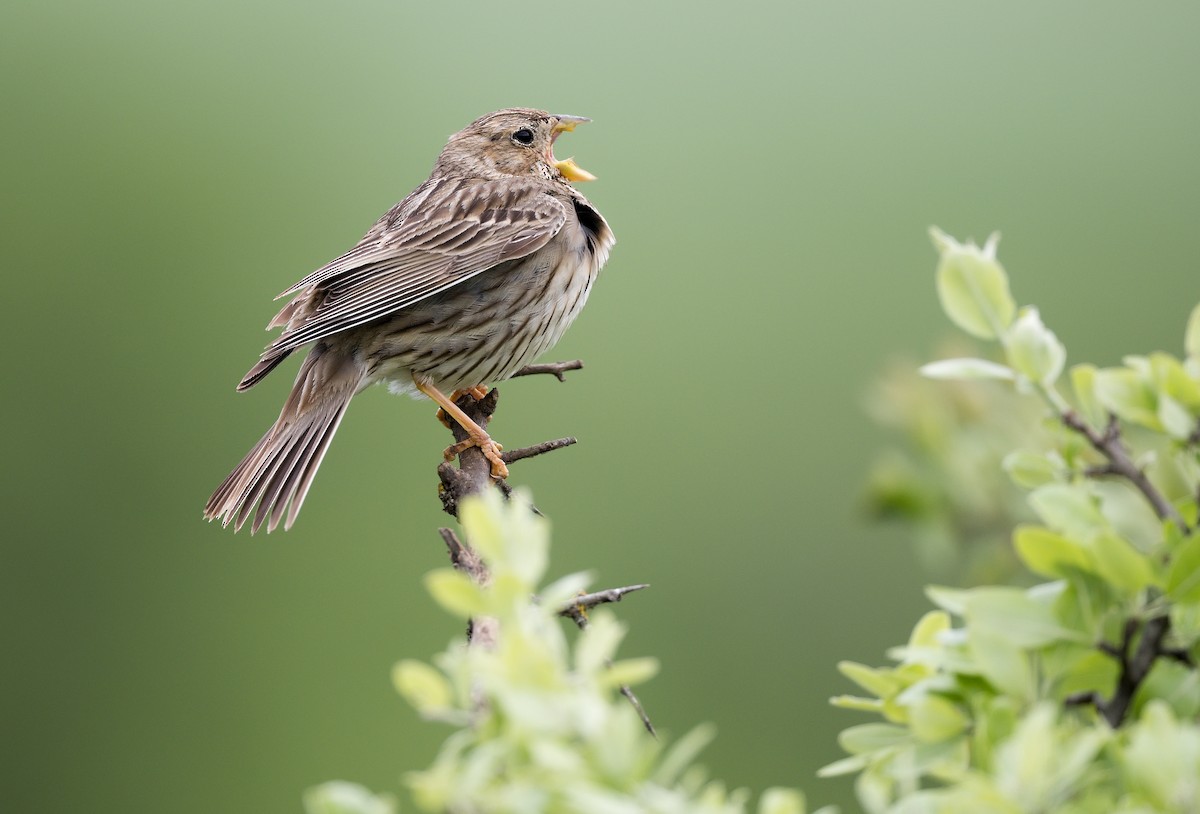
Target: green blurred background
770	169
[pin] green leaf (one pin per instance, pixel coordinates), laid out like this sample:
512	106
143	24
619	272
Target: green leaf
629	672
953	600
1175	419
1048	553
564	590
973	287
1183	574
880	682
1083	382
1122	565
966	370
933	719
1191	337
1033	349
340	797
1013	615
424	688
928	628
1031	469
455	592
1068	508
872	737
847	765
857	702
1171	378
598	643
1002	663
1162	760
682	753
1088	670
781	801
1125	392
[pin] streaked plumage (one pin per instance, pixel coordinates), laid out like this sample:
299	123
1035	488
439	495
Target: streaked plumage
473	275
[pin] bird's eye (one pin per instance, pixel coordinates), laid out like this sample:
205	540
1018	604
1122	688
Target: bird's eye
523	136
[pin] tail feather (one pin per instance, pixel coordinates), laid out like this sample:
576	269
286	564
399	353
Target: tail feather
278	471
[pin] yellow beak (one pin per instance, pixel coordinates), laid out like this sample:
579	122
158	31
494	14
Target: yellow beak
567	166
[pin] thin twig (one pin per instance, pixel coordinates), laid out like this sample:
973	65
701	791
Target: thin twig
536	449
1120	464
577	613
585	602
1135	665
465	558
555	369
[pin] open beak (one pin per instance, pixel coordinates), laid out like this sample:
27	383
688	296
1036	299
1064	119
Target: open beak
567	166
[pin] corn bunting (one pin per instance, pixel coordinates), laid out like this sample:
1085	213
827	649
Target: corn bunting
468	279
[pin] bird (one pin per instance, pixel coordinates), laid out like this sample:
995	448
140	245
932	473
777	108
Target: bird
460	285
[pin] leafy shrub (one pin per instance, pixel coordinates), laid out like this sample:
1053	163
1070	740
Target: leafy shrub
1079	694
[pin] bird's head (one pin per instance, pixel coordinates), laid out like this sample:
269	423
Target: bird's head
513	142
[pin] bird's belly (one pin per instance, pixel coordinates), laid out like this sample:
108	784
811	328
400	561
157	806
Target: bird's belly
485	329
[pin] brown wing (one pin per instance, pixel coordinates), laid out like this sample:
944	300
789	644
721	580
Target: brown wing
446	232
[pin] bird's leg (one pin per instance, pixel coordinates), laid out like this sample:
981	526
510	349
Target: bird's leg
477	436
477	392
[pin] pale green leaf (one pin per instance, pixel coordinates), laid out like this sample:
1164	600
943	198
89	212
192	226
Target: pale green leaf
1031	469
1013	615
781	801
857	702
928	628
1002	663
682	753
966	370
598	643
480	516
953	600
1068	508
1122	565
340	797
1050	554
455	592
933	719
1171	378
1162	760
1183	574
882	683
1083	383
1175	419
973	287
847	765
1033	349
1191	337
872	737
559	593
425	689
1128	394
629	672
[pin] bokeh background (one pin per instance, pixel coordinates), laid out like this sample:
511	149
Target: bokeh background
770	169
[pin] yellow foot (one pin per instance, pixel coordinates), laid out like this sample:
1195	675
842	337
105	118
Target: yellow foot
490	449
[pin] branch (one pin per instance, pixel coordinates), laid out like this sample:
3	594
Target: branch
577	612
1135	666
474	472
1121	465
555	369
584	602
536	449
472	476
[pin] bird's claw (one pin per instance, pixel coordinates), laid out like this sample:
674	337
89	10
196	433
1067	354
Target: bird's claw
490	449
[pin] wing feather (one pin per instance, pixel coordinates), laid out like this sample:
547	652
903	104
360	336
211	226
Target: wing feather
454	231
